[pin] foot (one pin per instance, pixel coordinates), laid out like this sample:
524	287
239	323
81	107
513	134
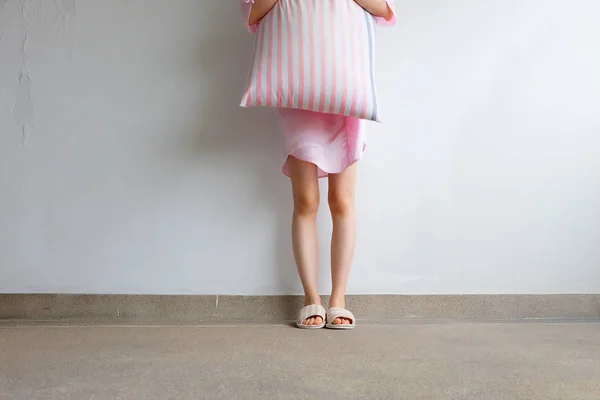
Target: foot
313	319
339	303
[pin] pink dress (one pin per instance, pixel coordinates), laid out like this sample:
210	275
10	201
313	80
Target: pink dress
331	142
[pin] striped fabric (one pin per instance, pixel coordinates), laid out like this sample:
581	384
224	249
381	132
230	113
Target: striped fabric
315	55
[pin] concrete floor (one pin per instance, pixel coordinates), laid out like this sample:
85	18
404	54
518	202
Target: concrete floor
396	361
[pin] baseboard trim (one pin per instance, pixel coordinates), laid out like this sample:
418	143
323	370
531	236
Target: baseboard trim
212	308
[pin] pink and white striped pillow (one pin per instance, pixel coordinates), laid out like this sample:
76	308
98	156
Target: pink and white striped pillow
315	55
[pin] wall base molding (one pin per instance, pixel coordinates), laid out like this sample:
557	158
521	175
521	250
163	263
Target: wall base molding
212	308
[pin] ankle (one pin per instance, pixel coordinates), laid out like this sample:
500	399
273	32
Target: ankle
311	298
337	300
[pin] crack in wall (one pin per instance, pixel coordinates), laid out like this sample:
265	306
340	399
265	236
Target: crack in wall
23	108
66	21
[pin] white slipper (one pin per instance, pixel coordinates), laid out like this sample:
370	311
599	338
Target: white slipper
314	310
335	312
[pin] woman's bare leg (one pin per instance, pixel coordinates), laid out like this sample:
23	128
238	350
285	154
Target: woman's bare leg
305	190
343	240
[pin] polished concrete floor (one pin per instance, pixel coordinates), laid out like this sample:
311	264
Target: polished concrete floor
542	360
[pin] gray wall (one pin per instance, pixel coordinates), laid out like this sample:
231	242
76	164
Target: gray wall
127	167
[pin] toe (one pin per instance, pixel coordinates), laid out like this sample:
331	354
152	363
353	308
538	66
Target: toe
313	321
337	321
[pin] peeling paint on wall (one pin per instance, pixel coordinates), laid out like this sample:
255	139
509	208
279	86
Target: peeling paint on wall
23	108
63	15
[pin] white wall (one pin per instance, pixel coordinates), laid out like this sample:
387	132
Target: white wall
127	167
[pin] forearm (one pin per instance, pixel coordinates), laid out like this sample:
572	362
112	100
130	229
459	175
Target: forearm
260	8
378	8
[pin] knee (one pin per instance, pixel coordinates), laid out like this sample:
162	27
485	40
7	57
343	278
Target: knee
306	204
341	204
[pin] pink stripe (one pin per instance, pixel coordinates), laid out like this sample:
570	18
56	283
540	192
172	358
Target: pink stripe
311	85
290	46
279	60
247	99
354	58
261	31
345	33
300	62
333	65
269	65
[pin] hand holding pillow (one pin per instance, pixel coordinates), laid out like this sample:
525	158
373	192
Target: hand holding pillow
377	8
